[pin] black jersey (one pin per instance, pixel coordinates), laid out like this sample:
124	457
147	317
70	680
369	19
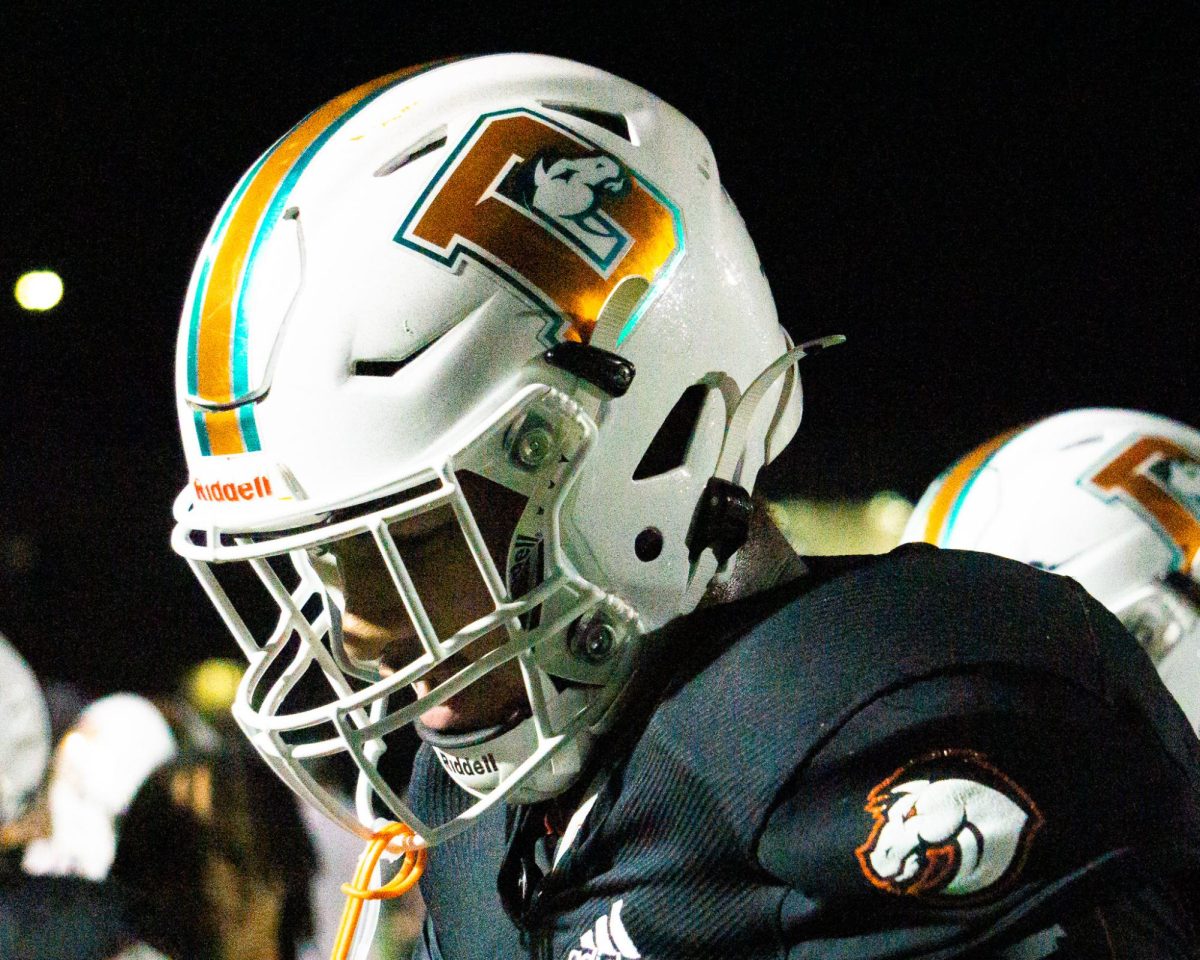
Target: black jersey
927	754
62	918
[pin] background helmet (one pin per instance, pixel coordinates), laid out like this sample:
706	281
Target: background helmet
1109	497
24	734
514	266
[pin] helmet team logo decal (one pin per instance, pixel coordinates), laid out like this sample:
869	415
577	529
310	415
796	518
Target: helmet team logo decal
568	194
947	826
553	214
1160	480
1181	479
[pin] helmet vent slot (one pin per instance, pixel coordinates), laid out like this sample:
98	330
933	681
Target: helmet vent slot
378	368
612	122
668	450
388	368
426	145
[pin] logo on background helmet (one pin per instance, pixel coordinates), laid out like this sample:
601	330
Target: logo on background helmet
558	218
1161	481
1180	477
947	826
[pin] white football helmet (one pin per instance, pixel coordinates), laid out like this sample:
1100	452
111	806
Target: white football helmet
513	266
24	735
1108	497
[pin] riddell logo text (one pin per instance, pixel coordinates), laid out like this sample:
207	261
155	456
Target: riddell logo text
254	489
469	767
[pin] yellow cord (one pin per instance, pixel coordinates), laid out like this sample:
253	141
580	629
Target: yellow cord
357	890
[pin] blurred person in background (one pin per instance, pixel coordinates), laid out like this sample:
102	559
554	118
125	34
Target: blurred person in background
45	917
98	766
217	859
1108	497
25	747
203	703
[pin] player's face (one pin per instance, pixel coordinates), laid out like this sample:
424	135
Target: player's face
452	590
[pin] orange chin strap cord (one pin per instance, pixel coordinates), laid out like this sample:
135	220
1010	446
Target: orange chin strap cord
357	890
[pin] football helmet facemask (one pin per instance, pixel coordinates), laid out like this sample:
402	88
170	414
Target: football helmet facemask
1109	497
514	268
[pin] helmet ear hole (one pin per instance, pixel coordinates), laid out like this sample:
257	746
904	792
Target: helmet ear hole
648	544
668	450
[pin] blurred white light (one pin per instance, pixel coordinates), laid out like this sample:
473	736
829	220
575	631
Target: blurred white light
39	290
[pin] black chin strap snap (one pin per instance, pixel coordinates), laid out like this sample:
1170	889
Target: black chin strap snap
610	372
721	521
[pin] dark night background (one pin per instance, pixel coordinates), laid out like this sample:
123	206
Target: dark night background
998	206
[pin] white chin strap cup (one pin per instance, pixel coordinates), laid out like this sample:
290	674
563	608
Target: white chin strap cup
723	514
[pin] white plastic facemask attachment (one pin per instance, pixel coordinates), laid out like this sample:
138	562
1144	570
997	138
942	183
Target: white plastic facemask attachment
481	760
1164	617
1159	617
725	502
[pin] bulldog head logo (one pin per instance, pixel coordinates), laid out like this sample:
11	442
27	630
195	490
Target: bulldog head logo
947	836
568	193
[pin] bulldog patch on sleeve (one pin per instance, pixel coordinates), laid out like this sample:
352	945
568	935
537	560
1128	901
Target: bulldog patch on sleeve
947	827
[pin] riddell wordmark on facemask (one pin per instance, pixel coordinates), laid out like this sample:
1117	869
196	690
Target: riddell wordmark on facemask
256	489
468	767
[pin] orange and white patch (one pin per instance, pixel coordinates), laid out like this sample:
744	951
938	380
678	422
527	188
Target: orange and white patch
947	826
556	216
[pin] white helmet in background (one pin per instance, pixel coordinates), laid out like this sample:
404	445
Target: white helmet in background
24	734
1108	497
517	267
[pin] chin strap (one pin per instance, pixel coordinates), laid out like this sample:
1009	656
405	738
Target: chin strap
722	521
358	891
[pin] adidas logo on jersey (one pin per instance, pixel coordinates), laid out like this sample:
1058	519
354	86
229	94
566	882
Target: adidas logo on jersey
607	940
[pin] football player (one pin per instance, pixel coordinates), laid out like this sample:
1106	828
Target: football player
46	917
477	370
1108	497
24	744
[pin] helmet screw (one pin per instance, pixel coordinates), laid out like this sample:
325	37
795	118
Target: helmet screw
594	640
533	446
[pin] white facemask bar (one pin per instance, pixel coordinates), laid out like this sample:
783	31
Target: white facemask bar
360	718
